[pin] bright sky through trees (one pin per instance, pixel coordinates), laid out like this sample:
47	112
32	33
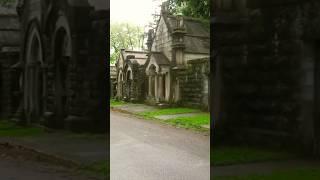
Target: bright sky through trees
137	12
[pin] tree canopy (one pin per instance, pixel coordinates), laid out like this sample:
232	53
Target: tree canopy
125	35
7	3
192	8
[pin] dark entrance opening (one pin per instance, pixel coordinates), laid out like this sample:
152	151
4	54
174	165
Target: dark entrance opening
128	86
61	75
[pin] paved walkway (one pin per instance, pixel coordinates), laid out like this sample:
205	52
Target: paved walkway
135	108
11	169
153	151
76	148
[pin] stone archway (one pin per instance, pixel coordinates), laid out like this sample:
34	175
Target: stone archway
33	77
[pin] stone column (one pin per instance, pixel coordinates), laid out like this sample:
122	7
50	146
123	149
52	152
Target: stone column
150	86
161	87
156	88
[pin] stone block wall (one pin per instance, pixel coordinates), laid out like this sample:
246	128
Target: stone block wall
194	89
9	83
261	60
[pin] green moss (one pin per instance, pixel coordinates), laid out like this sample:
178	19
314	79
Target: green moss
239	155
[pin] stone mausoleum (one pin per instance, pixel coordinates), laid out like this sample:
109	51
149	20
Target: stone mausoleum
9	55
174	69
59	74
267	73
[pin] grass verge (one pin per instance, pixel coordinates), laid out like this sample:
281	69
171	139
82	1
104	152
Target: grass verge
99	168
292	174
114	103
167	111
10	129
239	155
191	122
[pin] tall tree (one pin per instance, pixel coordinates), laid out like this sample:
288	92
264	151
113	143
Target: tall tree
124	36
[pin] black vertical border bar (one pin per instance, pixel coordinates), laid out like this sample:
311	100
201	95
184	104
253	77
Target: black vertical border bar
212	72
107	107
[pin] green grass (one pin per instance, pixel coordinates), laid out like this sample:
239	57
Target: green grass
9	129
292	174
86	136
167	111
114	103
238	155
191	122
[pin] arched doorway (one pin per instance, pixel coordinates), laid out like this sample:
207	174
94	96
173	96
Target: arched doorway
62	55
34	77
152	81
129	85
120	85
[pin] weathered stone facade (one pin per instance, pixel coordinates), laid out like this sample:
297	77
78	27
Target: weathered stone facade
179	55
9	55
60	77
130	75
113	81
176	67
266	78
195	83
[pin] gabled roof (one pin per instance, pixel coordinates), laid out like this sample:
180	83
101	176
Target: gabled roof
137	57
194	27
160	58
197	38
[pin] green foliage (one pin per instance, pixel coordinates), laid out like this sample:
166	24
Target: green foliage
238	155
124	36
192	8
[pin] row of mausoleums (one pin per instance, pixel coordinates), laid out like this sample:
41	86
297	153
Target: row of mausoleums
174	69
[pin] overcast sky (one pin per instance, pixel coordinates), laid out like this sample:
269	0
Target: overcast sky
138	12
